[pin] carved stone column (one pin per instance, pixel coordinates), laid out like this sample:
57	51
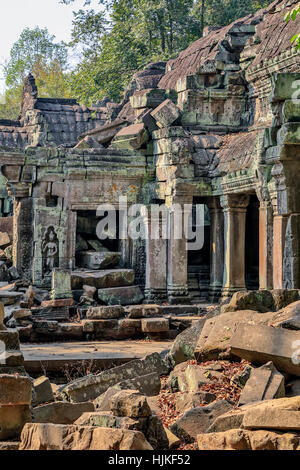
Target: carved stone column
156	260
279	236
217	249
234	208
177	279
265	245
23	227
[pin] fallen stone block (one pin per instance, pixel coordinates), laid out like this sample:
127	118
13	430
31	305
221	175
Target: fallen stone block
264	383
272	418
103	279
15	390
186	401
261	344
104	312
61	412
196	376
121	295
38	436
172	439
22	313
199	419
42	391
98	260
155	325
106	133
92	386
166	113
147	98
148	385
215	338
240	439
288	317
143	311
130	403
132	137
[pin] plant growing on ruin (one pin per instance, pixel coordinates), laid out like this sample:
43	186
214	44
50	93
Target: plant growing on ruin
292	16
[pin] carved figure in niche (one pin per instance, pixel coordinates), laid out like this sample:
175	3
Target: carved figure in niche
50	251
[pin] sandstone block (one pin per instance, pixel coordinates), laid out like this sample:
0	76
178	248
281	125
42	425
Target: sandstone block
155	325
70	437
103	312
130	403
61	412
12	420
121	295
166	113
43	390
15	390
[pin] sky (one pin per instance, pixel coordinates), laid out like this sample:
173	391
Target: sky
17	15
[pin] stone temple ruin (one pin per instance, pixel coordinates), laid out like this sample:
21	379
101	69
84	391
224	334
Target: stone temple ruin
219	126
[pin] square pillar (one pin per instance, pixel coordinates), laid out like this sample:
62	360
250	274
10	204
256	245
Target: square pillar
279	233
265	246
156	261
234	208
216	249
177	278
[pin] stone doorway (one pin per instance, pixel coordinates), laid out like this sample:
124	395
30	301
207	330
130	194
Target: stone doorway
92	252
252	244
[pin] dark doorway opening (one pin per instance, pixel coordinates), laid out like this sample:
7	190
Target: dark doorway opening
252	244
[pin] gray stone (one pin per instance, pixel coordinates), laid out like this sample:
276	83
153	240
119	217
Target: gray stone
121	295
43	391
61	412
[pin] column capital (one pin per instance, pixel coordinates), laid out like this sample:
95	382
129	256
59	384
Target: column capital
235	201
19	190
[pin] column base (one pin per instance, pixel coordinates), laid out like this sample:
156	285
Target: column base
229	291
215	293
155	296
178	295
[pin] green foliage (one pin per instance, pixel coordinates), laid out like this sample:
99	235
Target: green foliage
292	15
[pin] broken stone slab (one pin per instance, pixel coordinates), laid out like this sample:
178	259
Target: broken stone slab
130	295
106	133
61	412
87	297
132	137
264	383
183	348
130	403
214	341
241	439
155	325
143	311
10	298
166	113
273	419
61	284
261	301
51	313
197	376
22	313
91	386
38	436
149	98
199	419
42	391
103	279
186	401
148	385
98	260
151	426
15	390
261	344
96	245
234	419
288	317
105	312
87	143
173	440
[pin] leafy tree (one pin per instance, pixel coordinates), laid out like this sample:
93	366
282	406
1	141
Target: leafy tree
35	52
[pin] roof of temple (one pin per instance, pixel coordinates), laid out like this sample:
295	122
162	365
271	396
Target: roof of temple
238	151
272	37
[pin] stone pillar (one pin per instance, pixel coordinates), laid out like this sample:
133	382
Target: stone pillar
156	261
61	284
234	208
177	256
23	228
279	231
216	249
265	246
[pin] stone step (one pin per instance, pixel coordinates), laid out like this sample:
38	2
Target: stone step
131	295
103	278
